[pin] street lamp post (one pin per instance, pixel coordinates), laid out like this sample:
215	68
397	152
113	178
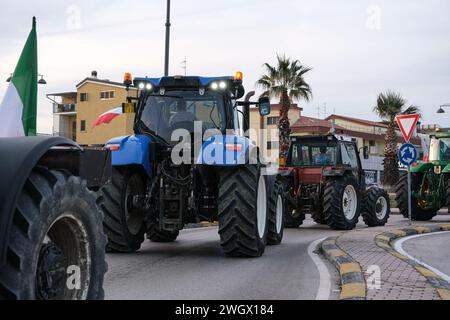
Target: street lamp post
166	62
441	108
40	81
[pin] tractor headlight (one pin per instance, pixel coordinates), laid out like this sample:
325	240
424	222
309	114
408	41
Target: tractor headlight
214	86
148	86
222	85
141	85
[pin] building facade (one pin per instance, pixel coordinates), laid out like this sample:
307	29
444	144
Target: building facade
74	113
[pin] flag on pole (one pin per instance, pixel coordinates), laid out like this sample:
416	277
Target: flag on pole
18	108
108	116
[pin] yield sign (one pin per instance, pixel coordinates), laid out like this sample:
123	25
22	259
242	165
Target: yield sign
407	124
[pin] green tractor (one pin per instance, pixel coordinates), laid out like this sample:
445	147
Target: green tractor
430	181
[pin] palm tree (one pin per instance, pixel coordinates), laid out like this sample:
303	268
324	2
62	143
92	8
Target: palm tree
390	105
285	82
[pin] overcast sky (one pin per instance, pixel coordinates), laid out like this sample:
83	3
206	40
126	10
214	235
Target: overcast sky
356	48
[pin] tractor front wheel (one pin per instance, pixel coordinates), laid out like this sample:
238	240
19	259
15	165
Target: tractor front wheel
341	203
243	211
376	207
401	196
277	209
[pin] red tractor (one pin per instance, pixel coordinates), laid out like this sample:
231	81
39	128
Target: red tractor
323	177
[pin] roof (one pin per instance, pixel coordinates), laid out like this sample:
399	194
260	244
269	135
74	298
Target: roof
315	126
360	121
101	81
63	94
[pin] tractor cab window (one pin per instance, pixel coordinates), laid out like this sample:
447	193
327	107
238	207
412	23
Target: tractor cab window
312	155
162	115
349	156
440	149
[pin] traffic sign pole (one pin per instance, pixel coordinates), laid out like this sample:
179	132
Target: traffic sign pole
409	196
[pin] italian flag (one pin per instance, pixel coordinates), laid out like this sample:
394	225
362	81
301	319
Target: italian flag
18	109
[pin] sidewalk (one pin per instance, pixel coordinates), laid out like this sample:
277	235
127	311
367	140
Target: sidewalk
399	279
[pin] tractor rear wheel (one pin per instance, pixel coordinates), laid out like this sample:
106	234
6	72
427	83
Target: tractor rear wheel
277	209
155	234
56	244
243	211
401	196
318	216
376	207
448	195
124	224
341	203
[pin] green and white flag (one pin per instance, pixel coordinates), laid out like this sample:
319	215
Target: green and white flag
18	109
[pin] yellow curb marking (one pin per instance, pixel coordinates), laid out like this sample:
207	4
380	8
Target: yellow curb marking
336	253
422	229
444	294
445	227
398	233
400	256
385	238
384	245
353	290
349	268
426	272
329	242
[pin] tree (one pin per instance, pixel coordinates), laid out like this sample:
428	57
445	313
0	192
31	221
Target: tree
390	105
285	82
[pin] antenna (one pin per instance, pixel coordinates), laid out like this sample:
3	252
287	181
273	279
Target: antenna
184	66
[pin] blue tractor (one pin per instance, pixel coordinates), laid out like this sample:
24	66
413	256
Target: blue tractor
190	161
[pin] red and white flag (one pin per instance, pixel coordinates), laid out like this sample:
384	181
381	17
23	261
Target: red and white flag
108	116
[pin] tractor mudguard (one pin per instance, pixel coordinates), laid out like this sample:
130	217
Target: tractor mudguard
422	167
446	169
227	150
18	158
131	150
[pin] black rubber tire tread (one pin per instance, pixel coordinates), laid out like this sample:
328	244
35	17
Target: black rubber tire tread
45	197
157	235
318	216
238	227
368	212
332	203
401	196
274	237
448	194
113	205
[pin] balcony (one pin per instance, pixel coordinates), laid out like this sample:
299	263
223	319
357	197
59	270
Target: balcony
64	108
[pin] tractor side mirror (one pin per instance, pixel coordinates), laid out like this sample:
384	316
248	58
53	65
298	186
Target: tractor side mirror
264	106
366	152
128	107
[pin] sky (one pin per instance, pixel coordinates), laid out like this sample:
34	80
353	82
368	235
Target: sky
357	48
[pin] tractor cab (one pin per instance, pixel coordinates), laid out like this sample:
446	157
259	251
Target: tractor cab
440	147
167	107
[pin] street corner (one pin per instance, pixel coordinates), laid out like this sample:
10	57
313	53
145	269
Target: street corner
352	281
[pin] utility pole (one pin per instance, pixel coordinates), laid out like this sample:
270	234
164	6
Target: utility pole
166	62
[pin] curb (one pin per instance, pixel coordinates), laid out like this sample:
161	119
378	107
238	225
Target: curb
385	240
353	284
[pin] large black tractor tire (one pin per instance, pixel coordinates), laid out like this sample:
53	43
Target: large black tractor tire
401	196
319	217
155	234
124	225
277	211
376	207
242	232
56	245
342	203
448	195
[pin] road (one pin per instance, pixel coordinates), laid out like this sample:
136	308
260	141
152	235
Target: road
194	267
431	249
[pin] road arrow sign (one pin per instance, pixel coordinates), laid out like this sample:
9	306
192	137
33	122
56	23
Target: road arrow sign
407	154
407	124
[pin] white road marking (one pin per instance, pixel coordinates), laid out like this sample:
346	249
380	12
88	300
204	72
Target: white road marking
398	247
323	293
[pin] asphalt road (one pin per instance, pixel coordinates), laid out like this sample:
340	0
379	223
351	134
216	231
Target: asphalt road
194	267
432	249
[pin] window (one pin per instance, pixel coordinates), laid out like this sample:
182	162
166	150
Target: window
83	97
349	156
313	155
372	143
106	95
272	145
272	121
83	125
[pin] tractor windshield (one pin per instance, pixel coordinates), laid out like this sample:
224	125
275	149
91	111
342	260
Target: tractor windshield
162	115
312	154
440	149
